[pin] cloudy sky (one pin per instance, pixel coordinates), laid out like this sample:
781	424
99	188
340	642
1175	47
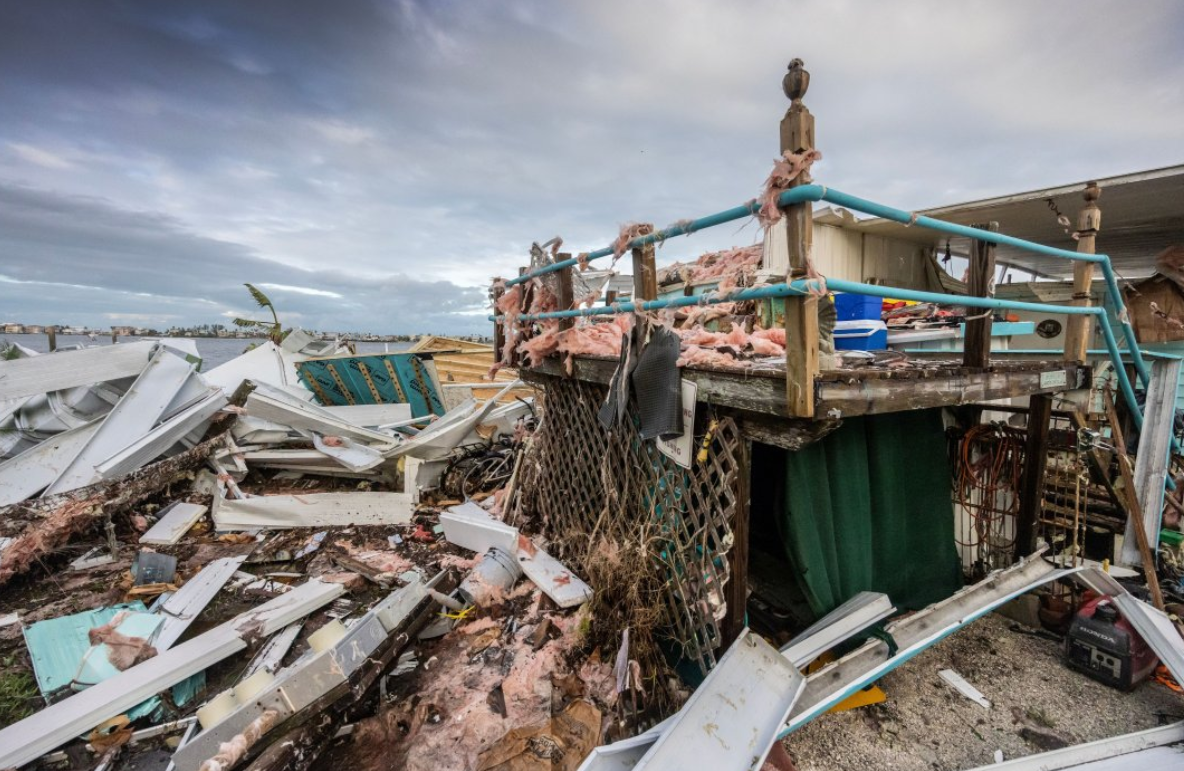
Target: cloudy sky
372	163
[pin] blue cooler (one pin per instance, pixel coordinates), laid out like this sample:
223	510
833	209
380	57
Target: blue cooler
861	335
849	307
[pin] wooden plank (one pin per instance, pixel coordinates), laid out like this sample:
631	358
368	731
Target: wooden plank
566	293
736	592
35	375
801	354
1035	462
841	394
1079	329
844	400
28	739
981	283
1133	505
645	272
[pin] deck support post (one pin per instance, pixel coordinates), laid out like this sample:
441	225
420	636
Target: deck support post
1035	461
977	348
736	592
52	333
797	239
645	271
1078	329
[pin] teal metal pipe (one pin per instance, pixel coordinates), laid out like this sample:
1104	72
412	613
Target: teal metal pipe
865	206
802	287
1128	332
817	193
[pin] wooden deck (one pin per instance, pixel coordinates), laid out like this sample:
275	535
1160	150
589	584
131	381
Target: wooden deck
852	392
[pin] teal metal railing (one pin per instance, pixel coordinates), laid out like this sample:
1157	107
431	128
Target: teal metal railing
817	193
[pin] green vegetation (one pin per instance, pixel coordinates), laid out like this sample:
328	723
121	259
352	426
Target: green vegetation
273	330
18	691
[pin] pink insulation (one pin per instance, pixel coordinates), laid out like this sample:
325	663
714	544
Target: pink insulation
786	169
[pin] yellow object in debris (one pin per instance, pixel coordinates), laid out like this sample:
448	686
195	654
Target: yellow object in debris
703	451
873	694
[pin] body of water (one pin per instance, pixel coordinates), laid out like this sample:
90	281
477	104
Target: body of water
213	350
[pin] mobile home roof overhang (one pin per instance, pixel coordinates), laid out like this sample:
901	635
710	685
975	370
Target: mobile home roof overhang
1142	214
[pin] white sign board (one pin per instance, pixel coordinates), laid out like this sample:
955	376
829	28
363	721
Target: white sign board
681	449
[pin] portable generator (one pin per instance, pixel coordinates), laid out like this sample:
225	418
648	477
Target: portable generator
1105	647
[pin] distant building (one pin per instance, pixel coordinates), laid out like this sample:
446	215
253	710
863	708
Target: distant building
13	328
34	329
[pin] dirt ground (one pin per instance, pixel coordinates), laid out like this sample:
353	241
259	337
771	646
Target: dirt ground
1037	704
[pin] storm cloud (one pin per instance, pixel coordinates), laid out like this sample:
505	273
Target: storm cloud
375	163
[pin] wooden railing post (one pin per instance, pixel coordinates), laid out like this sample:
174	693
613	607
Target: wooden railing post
52	333
801	313
976	351
565	291
1078	329
645	271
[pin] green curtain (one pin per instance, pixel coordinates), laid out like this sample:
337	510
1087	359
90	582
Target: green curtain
868	507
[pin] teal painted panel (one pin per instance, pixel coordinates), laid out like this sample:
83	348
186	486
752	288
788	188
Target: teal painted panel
58	645
344	380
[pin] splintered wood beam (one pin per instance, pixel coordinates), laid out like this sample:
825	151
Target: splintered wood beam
645	271
981	283
1035	463
801	354
1078	329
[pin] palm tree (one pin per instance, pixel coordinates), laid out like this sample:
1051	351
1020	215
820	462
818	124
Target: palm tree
272	329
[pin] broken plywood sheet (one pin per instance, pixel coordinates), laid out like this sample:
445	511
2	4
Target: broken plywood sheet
173	523
313	510
35	375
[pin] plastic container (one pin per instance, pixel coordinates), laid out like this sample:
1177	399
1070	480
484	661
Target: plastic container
861	335
491	578
850	307
252	686
327	636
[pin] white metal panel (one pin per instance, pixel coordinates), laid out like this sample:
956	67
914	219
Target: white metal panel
371	415
314	510
180	609
732	719
1151	464
564	587
154	443
29	739
287	410
353	455
35	469
133	416
174	522
1098	755
838	252
68	369
854	615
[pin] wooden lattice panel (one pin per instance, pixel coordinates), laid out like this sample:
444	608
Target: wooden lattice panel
579	480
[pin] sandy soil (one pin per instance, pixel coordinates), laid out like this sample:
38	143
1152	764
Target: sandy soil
1037	702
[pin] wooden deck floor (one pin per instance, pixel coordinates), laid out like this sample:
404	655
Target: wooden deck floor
851	392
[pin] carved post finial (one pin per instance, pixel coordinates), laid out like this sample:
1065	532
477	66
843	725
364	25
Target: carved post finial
796	82
1089	219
